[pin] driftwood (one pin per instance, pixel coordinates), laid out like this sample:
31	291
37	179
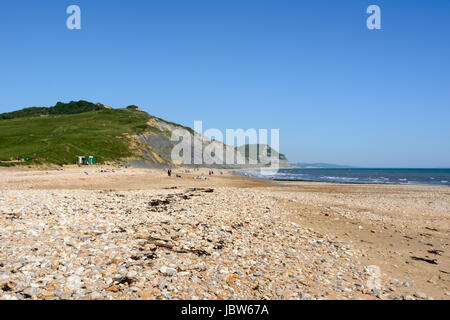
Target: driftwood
430	261
435	251
163	244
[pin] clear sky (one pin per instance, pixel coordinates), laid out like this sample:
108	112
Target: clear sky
337	91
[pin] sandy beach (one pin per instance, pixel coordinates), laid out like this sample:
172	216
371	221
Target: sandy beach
139	234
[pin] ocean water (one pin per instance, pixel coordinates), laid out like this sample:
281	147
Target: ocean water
437	177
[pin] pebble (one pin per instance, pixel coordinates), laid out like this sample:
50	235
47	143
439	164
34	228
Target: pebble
420	295
394	281
73	282
167	271
305	296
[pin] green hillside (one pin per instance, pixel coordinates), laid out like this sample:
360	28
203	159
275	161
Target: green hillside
64	132
58	134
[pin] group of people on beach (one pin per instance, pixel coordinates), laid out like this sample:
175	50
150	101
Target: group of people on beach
210	172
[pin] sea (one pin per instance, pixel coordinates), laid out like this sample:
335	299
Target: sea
433	177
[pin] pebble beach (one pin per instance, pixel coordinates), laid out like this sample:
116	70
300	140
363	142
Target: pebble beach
137	234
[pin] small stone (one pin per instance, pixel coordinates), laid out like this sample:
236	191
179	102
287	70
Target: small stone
375	292
9	297
73	282
113	288
305	296
200	267
95	295
394	281
167	271
420	295
30	292
231	279
8	286
145	294
224	271
46	295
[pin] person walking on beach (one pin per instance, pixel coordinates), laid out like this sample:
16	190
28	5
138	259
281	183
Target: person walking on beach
169	172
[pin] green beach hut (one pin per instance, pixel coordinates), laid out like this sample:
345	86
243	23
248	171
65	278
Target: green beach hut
86	160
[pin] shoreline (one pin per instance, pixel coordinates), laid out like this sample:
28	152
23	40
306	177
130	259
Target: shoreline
344	182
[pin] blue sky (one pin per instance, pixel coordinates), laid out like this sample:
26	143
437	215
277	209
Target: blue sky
337	91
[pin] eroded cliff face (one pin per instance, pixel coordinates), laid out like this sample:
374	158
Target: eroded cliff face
169	144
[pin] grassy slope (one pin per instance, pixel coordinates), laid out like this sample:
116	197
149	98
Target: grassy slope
54	138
